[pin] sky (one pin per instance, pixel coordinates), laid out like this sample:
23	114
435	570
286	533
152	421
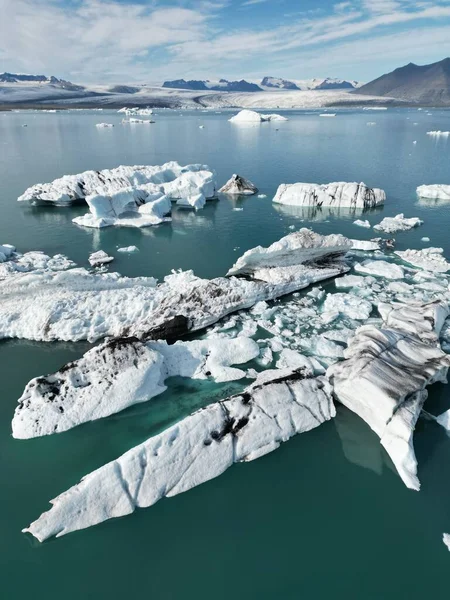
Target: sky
149	41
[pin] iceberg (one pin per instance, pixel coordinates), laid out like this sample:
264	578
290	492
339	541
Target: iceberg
397	223
103	125
361	223
341	194
128	249
386	371
437	191
100	258
175	181
251	116
380	268
116	375
238	185
446	539
439	133
75	304
6	252
279	405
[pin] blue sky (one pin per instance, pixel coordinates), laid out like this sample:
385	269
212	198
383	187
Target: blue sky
147	41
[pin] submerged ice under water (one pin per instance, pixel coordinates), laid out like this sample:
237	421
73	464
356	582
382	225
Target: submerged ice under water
384	522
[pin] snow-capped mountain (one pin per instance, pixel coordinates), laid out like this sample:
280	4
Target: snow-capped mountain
308	84
23	78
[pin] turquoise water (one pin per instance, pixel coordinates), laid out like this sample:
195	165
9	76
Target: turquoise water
325	516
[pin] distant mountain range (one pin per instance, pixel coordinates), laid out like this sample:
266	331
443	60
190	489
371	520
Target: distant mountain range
267	83
427	84
24	78
223	85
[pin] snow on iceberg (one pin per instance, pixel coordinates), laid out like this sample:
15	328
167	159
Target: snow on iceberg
429	259
76	304
238	185
173	179
341	194
251	116
437	191
397	223
279	405
386	371
116	375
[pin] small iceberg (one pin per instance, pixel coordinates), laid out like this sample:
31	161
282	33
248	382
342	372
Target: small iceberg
327	115
398	223
341	194
100	258
129	249
251	116
237	185
102	125
434	192
361	223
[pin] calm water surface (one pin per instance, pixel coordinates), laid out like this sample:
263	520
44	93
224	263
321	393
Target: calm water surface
325	516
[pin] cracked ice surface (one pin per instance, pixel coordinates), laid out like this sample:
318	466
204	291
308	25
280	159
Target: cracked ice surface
279	405
116	375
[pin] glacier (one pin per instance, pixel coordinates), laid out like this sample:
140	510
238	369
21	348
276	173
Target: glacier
279	405
341	194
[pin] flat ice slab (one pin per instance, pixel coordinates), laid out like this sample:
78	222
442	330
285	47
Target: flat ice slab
341	194
279	405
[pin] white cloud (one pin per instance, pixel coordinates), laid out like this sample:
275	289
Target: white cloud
107	40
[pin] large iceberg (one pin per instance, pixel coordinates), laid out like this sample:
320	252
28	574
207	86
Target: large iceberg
172	179
386	371
437	191
75	304
279	405
341	194
116	375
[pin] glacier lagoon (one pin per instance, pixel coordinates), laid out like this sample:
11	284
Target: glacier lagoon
331	494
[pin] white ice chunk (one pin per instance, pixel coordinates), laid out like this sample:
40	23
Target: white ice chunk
100	258
128	249
361	223
397	223
437	191
429	259
348	305
251	116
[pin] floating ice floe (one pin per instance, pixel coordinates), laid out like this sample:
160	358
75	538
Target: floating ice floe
327	115
397	223
437	191
100	258
134	121
129	249
238	185
76	304
446	539
116	375
174	180
386	371
439	133
341	194
103	125
279	405
361	223
367	245
251	116
425	239
380	268
429	259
